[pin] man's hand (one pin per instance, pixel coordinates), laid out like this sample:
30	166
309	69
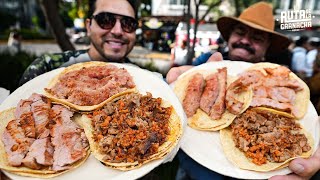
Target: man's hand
175	72
302	168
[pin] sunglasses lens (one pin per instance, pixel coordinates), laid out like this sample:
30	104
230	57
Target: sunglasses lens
105	20
129	24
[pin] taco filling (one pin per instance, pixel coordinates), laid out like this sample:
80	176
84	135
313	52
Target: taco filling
42	137
264	137
208	94
131	129
272	87
91	85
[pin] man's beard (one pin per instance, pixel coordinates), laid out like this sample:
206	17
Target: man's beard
108	58
244	46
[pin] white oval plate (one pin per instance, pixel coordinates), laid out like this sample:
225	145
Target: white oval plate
145	81
205	147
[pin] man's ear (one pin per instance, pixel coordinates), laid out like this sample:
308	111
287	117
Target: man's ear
88	26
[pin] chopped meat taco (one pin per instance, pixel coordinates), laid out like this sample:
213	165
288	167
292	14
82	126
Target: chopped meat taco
87	86
203	96
275	87
39	139
263	139
132	130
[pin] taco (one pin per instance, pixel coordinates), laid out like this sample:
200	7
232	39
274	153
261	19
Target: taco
263	139
203	95
275	87
39	139
87	86
132	130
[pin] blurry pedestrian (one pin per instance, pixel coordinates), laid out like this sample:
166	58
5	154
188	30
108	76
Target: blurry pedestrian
299	56
311	57
14	41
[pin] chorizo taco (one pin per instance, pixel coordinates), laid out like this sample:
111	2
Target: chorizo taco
87	86
263	139
203	95
275	87
132	130
39	139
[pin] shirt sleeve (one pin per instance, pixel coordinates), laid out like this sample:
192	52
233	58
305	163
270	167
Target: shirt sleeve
42	65
201	59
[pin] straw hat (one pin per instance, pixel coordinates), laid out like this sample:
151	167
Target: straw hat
258	16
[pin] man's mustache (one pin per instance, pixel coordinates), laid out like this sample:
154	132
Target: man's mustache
244	46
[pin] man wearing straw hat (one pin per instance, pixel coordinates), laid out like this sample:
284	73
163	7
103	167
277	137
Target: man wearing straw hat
250	37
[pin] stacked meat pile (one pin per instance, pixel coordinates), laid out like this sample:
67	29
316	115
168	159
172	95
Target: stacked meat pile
43	136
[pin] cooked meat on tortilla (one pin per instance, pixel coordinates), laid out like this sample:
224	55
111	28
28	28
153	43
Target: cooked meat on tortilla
207	94
265	136
40	138
273	86
132	130
91	85
203	96
263	139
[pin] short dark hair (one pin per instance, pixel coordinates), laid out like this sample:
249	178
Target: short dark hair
302	40
134	4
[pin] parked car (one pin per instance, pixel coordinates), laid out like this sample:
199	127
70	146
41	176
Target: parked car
206	40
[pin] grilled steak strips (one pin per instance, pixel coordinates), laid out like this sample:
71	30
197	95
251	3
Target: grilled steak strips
207	94
132	128
92	85
264	136
27	140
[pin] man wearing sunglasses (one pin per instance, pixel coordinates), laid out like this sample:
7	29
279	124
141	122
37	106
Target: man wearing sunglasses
111	28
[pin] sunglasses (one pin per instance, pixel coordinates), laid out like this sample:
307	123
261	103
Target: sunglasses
107	20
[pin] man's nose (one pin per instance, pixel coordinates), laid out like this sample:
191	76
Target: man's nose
117	29
245	39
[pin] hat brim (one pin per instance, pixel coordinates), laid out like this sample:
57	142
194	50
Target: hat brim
278	42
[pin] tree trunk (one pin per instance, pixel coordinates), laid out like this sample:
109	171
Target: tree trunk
50	10
191	51
190	54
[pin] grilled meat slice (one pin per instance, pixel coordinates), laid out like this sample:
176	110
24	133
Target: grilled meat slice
15	142
40	154
210	93
191	101
219	107
68	139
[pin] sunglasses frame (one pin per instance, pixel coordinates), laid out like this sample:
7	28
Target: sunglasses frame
122	19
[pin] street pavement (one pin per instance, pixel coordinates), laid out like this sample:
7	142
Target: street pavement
139	55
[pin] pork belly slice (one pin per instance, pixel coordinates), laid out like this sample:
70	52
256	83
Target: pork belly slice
191	101
15	142
40	108
219	106
68	139
287	107
40	154
210	93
